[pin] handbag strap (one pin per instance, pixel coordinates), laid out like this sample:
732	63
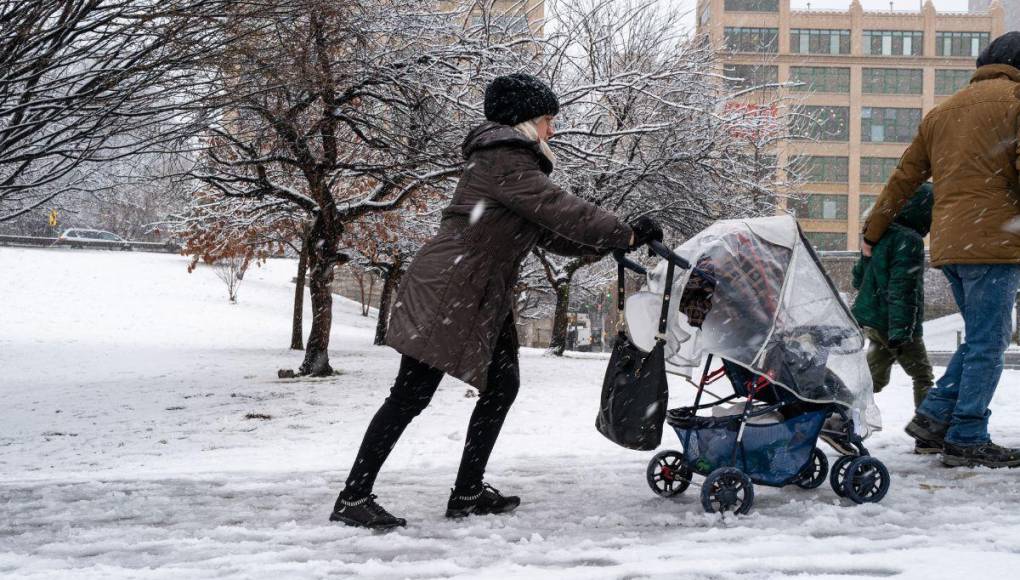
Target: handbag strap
621	286
621	289
664	316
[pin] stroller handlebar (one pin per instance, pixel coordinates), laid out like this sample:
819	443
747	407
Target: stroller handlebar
621	258
664	252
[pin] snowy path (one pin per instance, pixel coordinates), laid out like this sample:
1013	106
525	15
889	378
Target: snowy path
574	525
125	453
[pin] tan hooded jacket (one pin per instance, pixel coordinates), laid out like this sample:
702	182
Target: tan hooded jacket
969	145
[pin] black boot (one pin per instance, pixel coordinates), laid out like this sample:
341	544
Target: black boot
928	434
364	513
486	501
980	455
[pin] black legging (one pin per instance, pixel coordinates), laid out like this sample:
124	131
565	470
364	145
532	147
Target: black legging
416	383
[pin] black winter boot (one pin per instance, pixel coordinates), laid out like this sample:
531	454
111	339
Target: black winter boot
981	455
928	434
486	501
364	513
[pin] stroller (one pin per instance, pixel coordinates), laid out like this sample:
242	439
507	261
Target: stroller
759	303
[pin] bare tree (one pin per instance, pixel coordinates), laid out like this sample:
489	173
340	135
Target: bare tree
230	269
649	127
342	109
365	278
81	81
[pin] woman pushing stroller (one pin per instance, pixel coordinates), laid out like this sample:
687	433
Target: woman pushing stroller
452	314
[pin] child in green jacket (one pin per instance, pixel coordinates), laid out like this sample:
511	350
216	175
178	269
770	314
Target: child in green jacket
890	299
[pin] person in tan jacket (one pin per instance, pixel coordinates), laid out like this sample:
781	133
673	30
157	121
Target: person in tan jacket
969	146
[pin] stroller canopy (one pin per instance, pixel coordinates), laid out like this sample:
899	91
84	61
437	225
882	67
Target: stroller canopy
772	310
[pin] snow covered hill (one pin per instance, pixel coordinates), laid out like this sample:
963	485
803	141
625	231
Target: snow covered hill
144	434
940	333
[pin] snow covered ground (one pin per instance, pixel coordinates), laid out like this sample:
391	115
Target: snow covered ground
125	452
940	333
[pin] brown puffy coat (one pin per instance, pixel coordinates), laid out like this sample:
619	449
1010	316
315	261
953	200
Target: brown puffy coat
457	293
969	145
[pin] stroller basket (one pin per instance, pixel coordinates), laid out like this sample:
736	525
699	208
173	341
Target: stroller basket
772	453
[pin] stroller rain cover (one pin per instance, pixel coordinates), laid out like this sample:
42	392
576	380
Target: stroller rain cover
774	311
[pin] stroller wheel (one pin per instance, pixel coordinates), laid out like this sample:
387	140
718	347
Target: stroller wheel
667	474
838	474
727	489
866	480
815	472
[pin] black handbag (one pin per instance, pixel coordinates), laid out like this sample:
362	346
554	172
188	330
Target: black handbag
635	393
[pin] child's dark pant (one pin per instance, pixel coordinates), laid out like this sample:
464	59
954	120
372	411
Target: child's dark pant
416	383
912	356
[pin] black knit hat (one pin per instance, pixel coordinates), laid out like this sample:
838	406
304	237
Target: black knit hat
1002	50
513	99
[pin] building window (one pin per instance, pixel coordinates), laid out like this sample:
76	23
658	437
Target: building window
948	81
823	123
764	40
752	5
744	76
765	167
893	42
816	41
820	206
821	169
877	169
893	81
826	241
867	202
960	43
889	125
819	79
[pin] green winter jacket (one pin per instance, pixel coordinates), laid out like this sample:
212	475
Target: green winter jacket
890	283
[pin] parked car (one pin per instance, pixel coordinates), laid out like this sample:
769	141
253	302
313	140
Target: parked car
80	238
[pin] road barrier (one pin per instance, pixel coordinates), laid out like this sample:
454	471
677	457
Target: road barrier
32	241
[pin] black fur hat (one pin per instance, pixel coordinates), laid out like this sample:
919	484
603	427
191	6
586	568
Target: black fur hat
513	99
1002	50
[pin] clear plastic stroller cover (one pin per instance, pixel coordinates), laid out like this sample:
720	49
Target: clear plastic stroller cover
773	311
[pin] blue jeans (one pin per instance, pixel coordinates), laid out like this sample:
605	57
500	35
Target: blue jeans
985	294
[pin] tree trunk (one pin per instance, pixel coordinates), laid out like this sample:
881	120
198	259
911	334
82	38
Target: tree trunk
322	258
244	268
393	274
359	277
366	303
558	342
297	332
561	285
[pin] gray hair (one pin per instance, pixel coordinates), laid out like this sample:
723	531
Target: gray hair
530	130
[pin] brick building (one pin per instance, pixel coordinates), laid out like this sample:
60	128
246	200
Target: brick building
867	78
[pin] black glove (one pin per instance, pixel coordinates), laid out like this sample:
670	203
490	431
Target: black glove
645	231
895	344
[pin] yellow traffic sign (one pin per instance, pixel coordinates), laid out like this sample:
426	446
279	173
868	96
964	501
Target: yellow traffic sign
53	218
